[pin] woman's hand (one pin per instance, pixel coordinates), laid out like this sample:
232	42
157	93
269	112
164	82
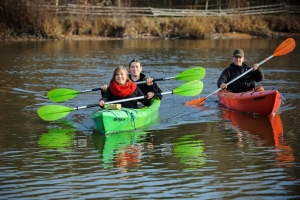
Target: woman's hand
150	95
149	80
104	88
101	103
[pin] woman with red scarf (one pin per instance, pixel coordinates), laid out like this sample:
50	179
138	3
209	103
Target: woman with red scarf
121	87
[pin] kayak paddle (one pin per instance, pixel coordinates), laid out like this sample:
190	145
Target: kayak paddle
64	94
285	47
55	112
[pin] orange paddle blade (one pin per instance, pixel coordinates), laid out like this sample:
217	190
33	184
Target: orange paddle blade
285	47
195	102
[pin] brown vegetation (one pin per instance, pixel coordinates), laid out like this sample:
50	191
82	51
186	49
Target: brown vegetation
32	23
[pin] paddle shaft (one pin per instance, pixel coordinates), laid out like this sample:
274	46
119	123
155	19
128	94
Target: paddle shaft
63	94
90	90
54	112
246	72
120	101
140	82
157	79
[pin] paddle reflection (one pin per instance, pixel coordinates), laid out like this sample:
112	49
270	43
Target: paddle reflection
269	130
121	150
58	139
190	152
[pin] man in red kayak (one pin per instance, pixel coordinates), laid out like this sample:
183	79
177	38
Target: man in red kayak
238	67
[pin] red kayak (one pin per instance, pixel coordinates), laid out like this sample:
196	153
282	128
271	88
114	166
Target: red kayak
265	102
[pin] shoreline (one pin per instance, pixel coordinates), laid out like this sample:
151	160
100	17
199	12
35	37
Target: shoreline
233	35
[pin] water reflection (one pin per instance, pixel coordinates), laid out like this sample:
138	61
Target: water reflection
62	137
266	131
58	139
37	164
121	150
190	152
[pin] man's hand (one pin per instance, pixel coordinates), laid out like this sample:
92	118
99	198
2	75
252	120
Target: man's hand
255	67
223	86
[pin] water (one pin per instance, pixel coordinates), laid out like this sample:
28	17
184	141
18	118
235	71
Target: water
207	152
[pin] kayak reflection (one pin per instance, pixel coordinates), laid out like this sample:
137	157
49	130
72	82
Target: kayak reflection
120	150
269	130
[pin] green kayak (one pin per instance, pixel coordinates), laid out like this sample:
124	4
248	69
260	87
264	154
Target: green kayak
125	119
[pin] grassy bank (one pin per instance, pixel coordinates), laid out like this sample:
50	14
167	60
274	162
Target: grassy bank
32	24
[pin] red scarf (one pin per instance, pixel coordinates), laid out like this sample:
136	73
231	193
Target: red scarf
122	90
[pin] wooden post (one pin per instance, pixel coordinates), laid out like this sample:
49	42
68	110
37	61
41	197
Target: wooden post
56	8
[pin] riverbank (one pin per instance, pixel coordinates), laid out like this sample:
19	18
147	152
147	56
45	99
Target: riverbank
114	28
233	35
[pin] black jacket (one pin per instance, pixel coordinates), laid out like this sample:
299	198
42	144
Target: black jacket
148	88
245	83
108	96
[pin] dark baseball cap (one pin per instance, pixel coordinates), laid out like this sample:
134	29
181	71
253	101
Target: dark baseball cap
238	52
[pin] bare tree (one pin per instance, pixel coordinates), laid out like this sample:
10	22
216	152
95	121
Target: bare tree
237	3
106	3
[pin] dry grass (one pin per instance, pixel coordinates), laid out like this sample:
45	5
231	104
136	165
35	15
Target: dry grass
52	28
193	27
34	23
143	26
284	23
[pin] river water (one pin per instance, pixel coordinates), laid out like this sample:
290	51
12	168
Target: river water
189	153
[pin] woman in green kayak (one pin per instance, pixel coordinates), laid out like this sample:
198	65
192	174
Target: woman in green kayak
136	75
121	87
